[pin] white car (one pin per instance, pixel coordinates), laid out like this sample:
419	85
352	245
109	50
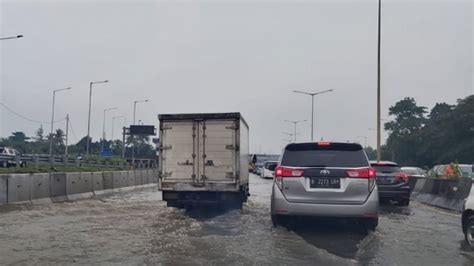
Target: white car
268	169
468	219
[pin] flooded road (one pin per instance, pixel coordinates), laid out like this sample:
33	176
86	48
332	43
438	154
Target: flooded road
137	228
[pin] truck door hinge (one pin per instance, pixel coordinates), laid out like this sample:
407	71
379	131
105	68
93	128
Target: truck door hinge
232	147
185	163
165	174
231	175
168	147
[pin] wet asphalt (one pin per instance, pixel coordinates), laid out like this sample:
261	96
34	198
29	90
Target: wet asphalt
136	228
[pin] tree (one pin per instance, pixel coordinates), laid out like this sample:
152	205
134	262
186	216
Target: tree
39	134
409	117
405	130
18	136
59	137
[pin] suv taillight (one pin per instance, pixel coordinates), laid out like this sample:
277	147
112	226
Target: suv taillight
361	173
288	172
285	172
365	173
402	176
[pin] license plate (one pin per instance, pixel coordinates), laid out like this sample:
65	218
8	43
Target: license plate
317	182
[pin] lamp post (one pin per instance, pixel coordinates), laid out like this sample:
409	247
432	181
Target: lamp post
295	122
103	126
52	122
89	119
133	139
113	123
379	154
312	106
11	37
289	135
365	140
135	108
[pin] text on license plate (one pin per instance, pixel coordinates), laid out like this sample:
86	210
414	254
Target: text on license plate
317	182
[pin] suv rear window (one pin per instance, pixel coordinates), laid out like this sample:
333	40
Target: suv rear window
386	168
332	155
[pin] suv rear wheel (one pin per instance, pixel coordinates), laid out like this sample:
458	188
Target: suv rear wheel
404	202
370	223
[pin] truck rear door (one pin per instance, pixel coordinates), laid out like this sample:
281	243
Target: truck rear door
199	151
218	149
177	150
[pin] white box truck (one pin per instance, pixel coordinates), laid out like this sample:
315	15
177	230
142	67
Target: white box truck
204	159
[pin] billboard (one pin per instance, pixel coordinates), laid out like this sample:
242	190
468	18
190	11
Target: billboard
142	130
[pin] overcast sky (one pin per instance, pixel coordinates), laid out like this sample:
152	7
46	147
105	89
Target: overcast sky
231	56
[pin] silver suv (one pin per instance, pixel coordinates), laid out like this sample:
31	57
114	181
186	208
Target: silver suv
327	180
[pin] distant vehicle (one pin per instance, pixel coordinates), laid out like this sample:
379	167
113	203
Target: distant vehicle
325	179
467	170
392	182
437	170
268	169
204	159
258	169
8	157
468	218
414	172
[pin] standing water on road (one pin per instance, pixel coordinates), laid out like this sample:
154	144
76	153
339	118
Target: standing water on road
138	228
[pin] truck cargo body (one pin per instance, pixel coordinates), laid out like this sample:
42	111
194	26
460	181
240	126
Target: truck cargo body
203	159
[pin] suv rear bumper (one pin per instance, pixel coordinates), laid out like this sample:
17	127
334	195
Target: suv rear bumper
369	209
394	192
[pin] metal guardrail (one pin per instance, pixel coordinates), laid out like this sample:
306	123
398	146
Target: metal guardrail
35	159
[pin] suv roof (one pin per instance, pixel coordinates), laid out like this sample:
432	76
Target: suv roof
383	163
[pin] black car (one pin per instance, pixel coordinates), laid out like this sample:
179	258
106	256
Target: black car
392	182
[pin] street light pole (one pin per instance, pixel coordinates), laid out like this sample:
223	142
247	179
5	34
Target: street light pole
52	122
133	139
113	124
103	126
89	119
12	37
312	107
365	140
378	85
295	122
289	135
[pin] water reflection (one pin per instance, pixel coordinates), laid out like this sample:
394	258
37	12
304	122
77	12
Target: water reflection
340	237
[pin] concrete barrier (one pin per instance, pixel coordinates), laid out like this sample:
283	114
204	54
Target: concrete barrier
3	189
19	187
108	180
152	176
144	176
138	178
79	185
120	179
131	179
58	187
97	182
40	187
447	194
